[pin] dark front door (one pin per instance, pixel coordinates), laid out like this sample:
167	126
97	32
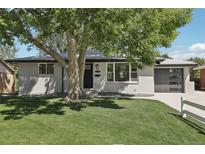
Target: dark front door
88	77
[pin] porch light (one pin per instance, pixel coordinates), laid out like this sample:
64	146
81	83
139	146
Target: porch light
97	66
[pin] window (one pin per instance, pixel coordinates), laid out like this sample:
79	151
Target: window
110	72
46	69
134	75
42	69
121	72
50	68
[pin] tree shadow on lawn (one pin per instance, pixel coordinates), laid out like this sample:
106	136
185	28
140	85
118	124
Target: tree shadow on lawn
97	102
200	129
24	106
20	107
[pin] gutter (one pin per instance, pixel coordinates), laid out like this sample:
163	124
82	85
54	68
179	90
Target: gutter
169	65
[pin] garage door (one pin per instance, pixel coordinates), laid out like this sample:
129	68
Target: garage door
168	80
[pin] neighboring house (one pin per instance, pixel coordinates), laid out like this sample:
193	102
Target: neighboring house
6	78
202	76
43	75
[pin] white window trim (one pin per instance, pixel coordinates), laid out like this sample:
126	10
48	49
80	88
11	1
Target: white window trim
46	69
129	81
114	72
130	69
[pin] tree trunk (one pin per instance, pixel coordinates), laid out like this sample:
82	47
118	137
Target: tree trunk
74	90
81	64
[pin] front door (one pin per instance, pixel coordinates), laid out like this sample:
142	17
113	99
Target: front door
88	77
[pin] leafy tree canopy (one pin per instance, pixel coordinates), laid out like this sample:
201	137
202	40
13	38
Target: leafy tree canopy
195	74
166	56
7	52
134	33
198	61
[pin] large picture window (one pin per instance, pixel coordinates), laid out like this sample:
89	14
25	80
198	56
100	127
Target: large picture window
122	72
46	69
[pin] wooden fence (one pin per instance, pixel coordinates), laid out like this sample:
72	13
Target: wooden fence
185	112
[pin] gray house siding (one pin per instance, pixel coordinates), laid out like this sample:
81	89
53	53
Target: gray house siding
145	83
30	82
188	85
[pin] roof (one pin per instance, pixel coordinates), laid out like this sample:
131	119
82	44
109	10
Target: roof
176	62
91	55
200	67
97	56
7	65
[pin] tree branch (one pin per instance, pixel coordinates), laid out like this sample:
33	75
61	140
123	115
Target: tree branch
40	44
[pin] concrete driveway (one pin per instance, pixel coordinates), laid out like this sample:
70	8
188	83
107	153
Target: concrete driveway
174	99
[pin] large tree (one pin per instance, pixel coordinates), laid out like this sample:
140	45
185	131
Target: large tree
198	61
132	33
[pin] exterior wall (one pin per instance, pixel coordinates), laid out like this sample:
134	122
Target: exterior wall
202	78
188	85
31	83
144	85
6	79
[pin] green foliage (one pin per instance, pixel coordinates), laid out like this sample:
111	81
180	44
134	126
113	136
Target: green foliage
157	53
133	33
198	61
7	52
195	74
166	56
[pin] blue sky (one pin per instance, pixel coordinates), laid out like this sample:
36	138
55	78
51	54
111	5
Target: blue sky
189	43
191	39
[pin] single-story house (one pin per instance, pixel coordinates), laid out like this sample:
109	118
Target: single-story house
44	75
6	77
202	76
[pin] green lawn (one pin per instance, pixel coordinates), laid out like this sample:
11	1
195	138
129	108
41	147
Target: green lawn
103	121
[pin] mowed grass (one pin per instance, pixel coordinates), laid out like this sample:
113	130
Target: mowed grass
100	121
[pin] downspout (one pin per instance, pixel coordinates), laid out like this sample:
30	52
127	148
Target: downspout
62	82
